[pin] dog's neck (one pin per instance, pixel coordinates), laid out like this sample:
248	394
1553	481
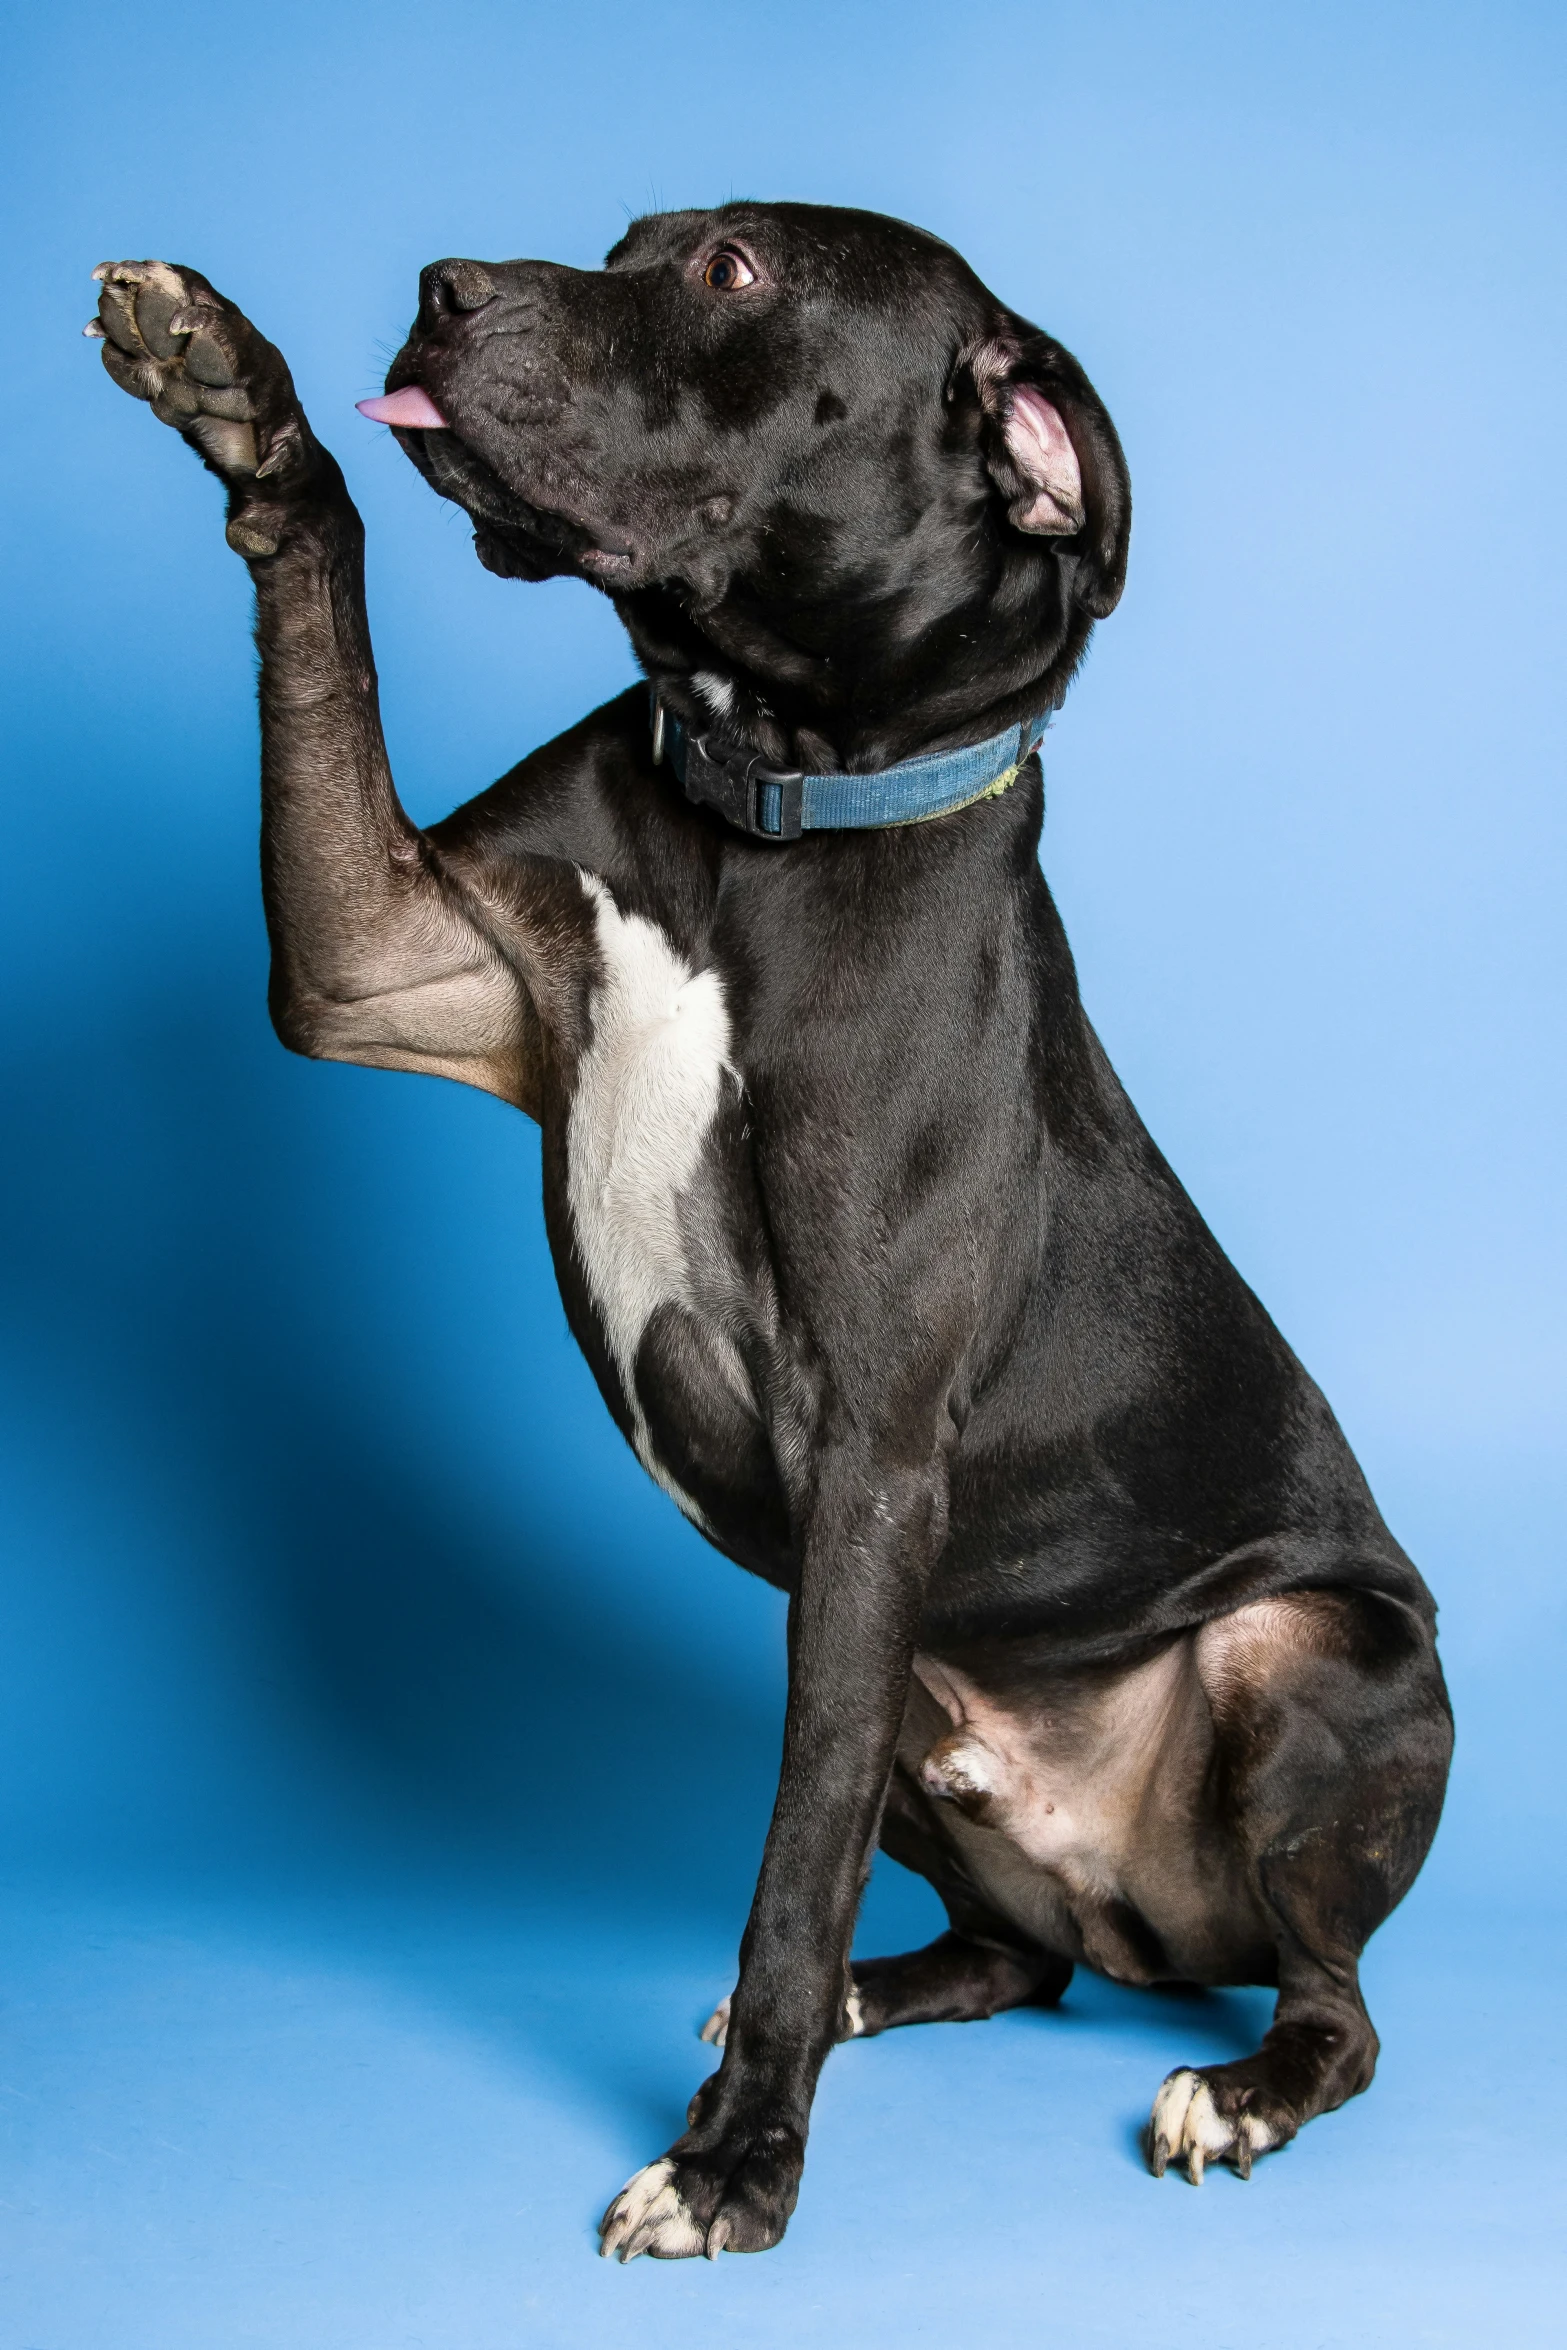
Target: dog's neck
875	693
776	806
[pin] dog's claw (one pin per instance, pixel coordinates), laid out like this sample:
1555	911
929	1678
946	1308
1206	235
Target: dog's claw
648	2215
1198	2120
94	330
285	449
716	2029
718	2236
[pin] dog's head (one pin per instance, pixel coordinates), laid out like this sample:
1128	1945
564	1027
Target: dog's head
834	486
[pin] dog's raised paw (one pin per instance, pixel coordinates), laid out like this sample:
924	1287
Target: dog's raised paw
1196	2121
648	2215
171	339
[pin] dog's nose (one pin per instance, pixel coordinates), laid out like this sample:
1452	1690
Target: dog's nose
448	286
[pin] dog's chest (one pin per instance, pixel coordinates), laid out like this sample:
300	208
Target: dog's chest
649	1091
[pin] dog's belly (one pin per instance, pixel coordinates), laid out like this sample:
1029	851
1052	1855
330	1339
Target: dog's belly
649	1095
1083	1809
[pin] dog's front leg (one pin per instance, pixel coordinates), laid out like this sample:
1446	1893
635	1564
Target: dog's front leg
382	951
731	2181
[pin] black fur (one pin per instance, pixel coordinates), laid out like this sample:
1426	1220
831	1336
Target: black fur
1008	1428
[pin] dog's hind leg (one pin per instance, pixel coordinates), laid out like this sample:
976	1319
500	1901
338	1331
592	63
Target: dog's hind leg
978	1968
953	1980
1335	1735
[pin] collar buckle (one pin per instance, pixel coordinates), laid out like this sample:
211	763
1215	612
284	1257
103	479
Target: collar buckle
738	787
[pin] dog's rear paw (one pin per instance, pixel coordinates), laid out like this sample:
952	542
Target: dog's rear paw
171	339
1201	2118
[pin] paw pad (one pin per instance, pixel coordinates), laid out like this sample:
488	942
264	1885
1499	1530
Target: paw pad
169	339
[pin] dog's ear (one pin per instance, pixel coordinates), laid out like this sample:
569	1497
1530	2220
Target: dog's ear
1052	452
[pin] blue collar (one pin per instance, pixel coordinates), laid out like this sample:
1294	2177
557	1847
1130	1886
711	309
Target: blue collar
773	804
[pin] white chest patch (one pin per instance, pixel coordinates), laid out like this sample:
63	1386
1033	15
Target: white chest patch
648	1090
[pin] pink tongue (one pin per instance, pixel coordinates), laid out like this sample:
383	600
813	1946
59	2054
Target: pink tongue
410	408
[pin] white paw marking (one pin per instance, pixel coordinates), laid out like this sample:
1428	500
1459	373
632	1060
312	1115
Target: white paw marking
648	1090
1186	2126
853	2015
648	2216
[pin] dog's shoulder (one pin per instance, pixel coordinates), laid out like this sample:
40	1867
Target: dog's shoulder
591	798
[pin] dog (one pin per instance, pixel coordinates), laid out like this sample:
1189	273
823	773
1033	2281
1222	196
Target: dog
1093	1620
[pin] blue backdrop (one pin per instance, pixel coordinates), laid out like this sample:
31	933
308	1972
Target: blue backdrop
383	1765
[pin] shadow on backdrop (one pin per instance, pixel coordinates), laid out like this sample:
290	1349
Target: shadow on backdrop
452	1673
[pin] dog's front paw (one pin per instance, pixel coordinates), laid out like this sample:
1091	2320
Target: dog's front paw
1200	2118
735	2195
171	339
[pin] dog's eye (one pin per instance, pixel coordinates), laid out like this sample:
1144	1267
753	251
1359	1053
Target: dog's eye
728	271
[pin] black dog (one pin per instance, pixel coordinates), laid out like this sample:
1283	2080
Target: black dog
1092	1619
